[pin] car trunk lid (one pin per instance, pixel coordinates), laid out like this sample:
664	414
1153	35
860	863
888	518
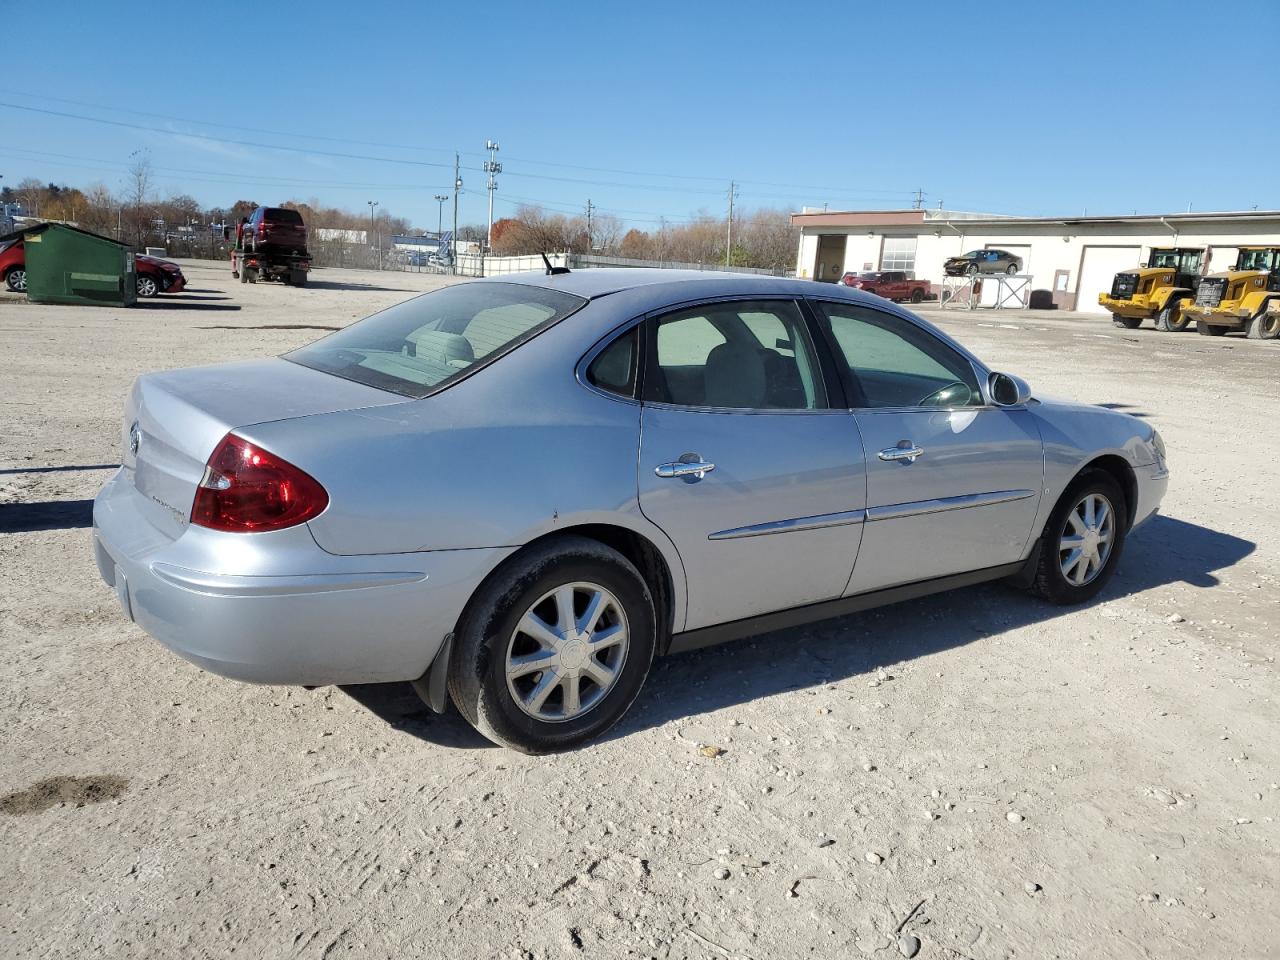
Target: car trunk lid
174	420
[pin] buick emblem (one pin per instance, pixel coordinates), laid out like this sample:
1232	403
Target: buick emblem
135	439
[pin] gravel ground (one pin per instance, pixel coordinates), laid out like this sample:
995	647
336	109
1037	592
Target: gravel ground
975	775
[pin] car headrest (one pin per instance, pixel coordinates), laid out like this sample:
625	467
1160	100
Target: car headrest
735	376
450	349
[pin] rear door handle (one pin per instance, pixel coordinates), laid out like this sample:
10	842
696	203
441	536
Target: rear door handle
690	467
905	450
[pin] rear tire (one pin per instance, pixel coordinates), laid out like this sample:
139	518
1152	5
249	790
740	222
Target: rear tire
1129	323
1171	319
490	646
1051	580
298	278
1265	326
917	295
1209	330
243	274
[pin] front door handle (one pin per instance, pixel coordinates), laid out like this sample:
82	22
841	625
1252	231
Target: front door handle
690	468
905	450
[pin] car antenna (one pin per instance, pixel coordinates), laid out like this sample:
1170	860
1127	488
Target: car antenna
553	271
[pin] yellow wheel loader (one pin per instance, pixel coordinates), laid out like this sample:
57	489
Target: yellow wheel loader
1156	290
1243	298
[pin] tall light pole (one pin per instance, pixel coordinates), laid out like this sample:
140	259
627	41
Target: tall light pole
491	167
728	245
440	199
373	228
457	189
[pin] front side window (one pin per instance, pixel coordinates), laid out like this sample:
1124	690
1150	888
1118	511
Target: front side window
417	346
894	363
734	355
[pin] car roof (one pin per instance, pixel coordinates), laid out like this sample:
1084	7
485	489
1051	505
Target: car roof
599	282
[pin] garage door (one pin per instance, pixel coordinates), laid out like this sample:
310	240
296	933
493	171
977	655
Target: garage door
1101	264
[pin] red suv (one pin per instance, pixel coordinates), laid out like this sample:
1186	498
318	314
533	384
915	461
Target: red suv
153	275
275	230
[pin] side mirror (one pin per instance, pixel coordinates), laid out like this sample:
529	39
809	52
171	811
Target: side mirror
1008	390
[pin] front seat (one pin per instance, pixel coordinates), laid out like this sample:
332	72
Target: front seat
735	377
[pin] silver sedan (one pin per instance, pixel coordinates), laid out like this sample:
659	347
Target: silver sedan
516	493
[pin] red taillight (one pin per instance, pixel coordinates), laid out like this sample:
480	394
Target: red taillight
262	227
245	489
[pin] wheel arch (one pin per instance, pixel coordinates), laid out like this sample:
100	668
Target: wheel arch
1120	470
658	571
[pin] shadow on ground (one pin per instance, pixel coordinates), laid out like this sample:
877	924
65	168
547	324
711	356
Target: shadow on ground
87	466
1163	551
50	515
179	304
338	285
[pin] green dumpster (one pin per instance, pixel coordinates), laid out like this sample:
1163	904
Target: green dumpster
69	265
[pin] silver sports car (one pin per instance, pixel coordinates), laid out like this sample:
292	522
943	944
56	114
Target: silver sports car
516	493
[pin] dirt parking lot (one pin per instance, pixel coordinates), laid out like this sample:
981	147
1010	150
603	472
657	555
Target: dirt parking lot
992	776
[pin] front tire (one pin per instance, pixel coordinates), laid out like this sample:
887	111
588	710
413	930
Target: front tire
16	279
1171	319
554	647
1265	326
1012	270
1082	540
146	286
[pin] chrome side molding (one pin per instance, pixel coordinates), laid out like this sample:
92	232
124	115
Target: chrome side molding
786	526
893	511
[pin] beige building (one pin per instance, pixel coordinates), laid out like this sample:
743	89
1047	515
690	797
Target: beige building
1074	258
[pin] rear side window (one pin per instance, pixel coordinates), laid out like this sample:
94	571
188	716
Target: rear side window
421	345
283	215
734	355
614	368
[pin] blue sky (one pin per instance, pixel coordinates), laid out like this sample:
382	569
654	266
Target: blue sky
649	109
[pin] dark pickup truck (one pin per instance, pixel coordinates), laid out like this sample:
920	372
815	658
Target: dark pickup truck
271	245
893	285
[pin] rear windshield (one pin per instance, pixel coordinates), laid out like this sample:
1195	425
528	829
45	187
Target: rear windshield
283	215
416	347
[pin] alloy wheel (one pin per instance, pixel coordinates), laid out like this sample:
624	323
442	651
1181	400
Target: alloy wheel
146	287
567	652
1084	546
18	281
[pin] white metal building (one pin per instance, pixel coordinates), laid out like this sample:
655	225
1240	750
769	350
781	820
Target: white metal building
1074	258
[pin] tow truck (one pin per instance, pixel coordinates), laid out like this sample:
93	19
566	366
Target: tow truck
272	245
1157	290
1243	298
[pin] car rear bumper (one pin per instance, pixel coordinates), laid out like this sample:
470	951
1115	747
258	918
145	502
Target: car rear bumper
275	607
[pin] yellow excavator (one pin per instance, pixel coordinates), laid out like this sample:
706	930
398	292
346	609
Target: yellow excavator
1156	290
1245	298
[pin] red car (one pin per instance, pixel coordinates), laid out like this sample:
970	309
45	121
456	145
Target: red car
891	284
153	275
158	276
13	265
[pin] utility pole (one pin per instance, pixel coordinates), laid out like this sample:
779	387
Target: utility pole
440	199
590	209
373	228
728	246
457	188
918	202
492	167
